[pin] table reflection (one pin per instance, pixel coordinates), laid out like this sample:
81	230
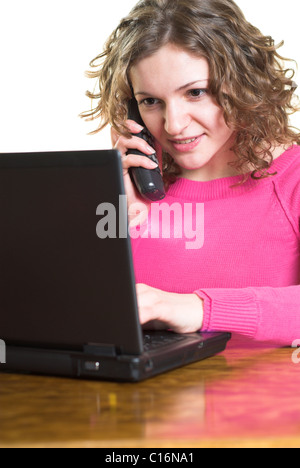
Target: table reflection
249	391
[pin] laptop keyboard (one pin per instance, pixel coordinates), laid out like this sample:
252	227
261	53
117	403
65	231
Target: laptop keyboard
157	340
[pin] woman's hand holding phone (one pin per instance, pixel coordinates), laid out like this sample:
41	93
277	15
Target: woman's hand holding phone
138	207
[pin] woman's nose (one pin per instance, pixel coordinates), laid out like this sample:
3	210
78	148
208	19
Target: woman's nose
176	120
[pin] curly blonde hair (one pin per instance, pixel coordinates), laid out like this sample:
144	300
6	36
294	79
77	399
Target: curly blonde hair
248	77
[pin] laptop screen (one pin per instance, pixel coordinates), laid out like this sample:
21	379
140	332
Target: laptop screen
61	284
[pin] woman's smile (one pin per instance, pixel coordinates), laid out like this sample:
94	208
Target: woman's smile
187	144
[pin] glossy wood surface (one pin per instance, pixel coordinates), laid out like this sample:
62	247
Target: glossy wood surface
247	396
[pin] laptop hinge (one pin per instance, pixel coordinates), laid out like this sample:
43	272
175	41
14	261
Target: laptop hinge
100	349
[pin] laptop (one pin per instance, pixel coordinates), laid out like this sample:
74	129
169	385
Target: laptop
68	303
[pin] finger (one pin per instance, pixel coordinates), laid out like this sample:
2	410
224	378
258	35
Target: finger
132	126
133	160
136	143
154	325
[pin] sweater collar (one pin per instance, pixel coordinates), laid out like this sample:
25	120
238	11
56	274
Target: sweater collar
225	187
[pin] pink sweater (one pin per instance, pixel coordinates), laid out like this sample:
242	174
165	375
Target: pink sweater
244	258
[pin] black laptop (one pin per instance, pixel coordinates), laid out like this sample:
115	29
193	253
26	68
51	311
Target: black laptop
68	302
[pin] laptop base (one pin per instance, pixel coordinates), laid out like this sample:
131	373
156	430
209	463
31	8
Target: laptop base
122	368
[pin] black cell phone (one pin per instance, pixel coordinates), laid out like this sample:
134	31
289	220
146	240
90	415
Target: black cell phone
149	182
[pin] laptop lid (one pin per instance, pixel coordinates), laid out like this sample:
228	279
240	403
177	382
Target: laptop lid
62	286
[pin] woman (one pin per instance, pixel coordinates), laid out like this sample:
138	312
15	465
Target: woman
212	92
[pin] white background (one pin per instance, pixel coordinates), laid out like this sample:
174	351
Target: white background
46	47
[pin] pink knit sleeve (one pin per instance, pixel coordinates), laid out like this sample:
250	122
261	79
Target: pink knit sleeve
264	314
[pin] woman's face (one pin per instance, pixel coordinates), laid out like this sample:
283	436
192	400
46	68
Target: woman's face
171	88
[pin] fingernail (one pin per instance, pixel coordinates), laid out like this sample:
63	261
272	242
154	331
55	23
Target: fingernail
150	149
153	164
137	126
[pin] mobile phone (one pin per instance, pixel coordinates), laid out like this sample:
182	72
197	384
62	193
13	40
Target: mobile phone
149	182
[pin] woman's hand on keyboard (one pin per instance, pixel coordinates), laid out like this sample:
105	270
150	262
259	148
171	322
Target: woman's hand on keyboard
158	310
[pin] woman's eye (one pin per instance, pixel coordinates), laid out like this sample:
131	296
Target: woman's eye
149	102
196	93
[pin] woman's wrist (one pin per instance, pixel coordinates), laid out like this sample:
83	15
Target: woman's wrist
187	313
197	309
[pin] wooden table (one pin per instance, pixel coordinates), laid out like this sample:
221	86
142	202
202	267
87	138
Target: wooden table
247	396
